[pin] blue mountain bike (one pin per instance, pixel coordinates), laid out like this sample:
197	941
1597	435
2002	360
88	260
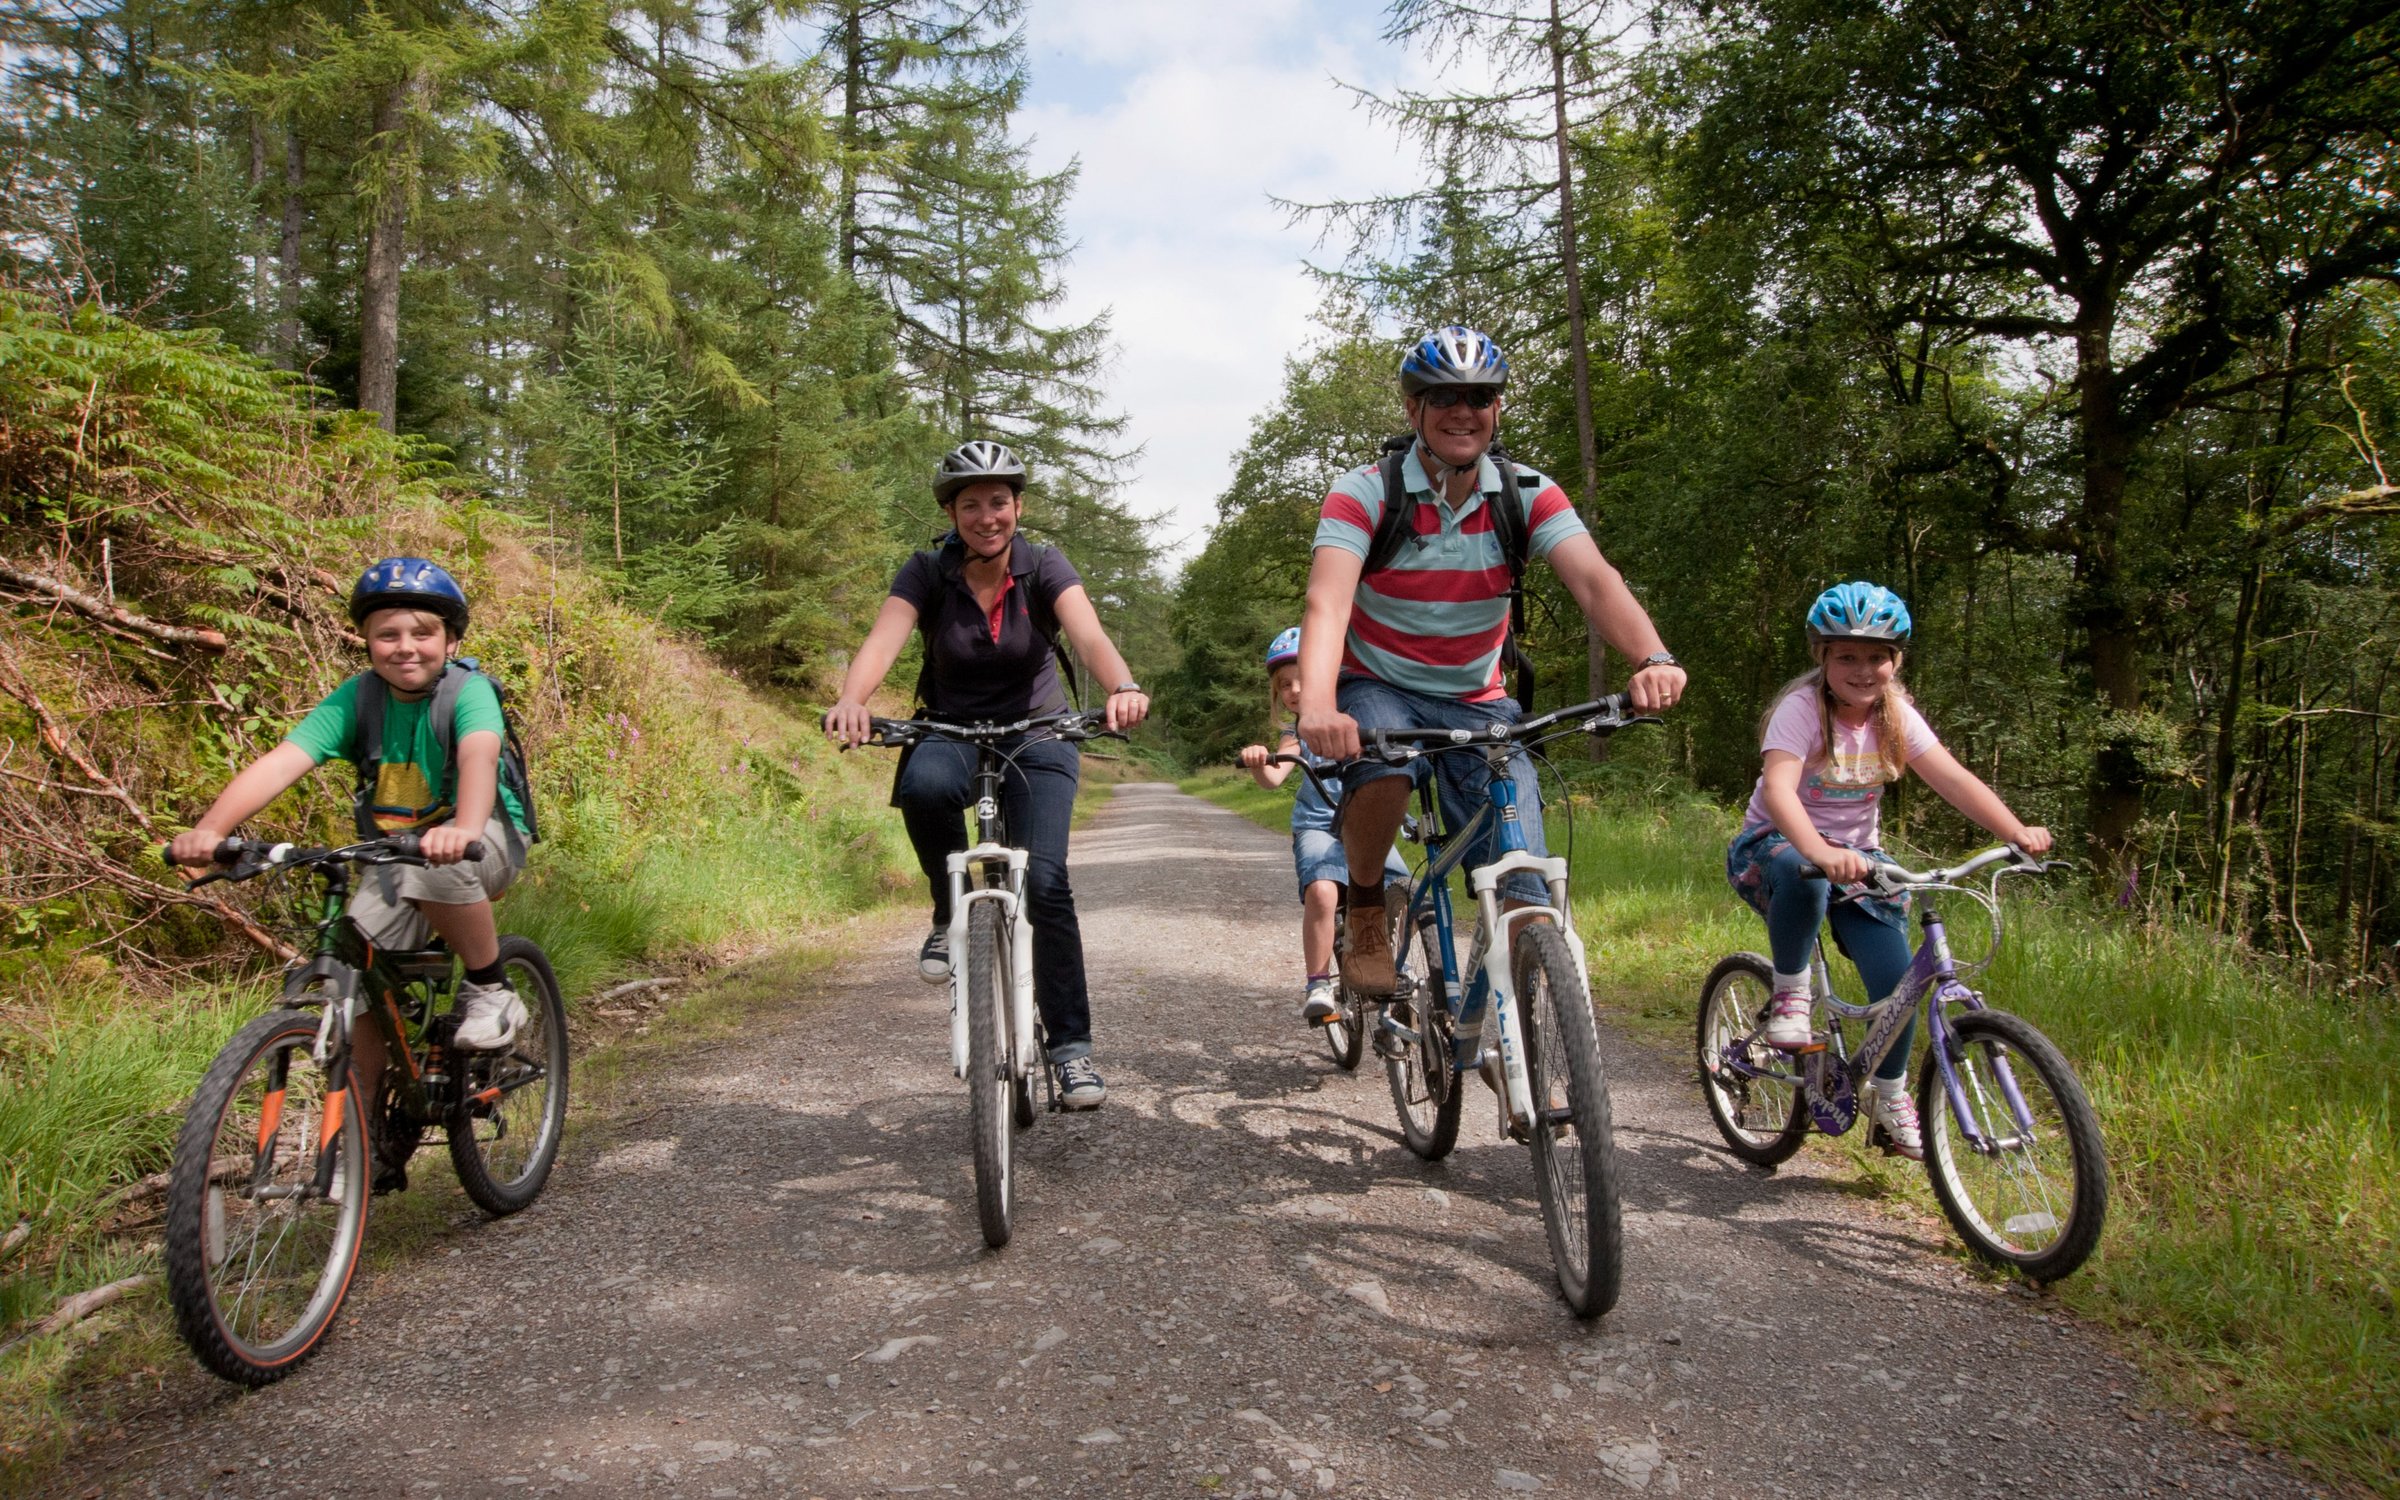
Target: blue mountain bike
1518	1008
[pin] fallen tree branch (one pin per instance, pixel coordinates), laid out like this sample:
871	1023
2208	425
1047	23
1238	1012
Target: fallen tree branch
79	1307
632	987
14	1240
109	614
76	856
61	739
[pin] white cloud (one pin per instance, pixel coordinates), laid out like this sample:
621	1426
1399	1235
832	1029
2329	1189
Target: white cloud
1187	121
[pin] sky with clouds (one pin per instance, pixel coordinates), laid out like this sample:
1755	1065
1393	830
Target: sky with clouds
1187	120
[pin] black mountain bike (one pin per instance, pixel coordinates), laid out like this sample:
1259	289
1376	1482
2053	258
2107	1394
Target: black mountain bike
267	1202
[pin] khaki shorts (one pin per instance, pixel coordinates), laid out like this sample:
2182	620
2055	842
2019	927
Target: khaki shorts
383	906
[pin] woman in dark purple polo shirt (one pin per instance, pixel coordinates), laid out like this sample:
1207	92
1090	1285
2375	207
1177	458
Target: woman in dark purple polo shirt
978	598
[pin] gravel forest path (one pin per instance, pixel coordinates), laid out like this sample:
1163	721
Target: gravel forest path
758	1273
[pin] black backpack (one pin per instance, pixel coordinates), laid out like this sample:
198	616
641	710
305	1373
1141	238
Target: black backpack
372	694
1045	620
1397	525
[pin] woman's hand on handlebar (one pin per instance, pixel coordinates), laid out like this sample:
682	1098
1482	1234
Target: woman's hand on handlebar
194	850
1126	709
848	724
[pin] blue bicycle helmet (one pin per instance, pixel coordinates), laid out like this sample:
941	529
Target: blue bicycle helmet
1859	611
1453	356
409	583
1285	647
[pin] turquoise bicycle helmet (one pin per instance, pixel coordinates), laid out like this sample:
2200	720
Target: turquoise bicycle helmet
1859	611
1285	647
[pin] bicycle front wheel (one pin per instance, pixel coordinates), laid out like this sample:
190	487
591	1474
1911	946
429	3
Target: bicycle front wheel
991	1105
512	1108
1574	1141
1425	1090
260	1243
2020	1170
1753	1090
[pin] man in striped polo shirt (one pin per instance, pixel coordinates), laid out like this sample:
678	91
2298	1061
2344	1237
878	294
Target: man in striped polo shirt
1418	643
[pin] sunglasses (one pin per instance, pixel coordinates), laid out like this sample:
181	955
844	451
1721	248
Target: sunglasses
1443	397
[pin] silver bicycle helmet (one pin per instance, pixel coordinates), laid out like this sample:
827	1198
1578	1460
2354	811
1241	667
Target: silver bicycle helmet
1453	356
974	462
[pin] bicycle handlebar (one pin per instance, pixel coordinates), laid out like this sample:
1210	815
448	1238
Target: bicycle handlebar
247	859
1074	725
1889	879
1601	716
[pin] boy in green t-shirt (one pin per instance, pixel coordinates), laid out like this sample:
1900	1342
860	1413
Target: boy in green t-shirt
413	615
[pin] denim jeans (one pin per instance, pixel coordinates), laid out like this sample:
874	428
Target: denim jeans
1765	871
1376	704
1037	798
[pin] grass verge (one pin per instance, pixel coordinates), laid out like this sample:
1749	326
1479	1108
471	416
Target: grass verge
2253	1247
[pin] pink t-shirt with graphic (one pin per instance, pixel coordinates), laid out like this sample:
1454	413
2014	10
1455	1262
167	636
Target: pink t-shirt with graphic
1844	796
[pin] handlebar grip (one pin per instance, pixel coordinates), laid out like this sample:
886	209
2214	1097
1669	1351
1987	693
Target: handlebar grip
475	851
1813	872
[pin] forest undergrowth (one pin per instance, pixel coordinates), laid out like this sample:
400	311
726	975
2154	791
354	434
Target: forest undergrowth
177	536
2253	1239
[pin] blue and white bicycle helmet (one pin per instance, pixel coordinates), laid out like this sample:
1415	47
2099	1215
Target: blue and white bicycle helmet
409	583
1285	647
1859	611
1453	356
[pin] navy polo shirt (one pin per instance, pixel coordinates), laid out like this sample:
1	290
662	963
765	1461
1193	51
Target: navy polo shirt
995	665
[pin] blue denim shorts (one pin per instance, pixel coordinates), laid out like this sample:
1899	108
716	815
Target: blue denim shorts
1379	705
1747	859
1317	855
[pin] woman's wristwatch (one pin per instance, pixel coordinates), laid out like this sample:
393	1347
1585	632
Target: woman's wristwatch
1125	687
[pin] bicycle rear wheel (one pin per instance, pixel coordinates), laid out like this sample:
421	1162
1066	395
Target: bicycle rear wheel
512	1109
2030	1198
1346	1033
1758	1113
1574	1143
1425	1090
991	1105
259	1255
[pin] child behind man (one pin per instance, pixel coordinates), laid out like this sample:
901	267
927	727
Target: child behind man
1316	851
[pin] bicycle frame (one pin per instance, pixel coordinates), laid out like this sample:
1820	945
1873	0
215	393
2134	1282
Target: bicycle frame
1932	981
990	871
1490	987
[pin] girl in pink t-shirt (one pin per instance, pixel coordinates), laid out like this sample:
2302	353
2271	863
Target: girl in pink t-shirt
1834	739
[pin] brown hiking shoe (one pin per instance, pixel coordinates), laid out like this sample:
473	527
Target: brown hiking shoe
1367	956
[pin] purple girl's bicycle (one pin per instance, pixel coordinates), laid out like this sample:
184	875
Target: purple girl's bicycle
2011	1142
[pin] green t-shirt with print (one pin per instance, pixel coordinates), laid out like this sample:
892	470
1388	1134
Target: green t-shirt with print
412	791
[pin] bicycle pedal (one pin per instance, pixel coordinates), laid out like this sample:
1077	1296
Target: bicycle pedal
1815	1044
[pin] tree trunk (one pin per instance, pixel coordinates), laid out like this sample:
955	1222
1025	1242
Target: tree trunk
379	294
2229	715
287	253
1579	354
854	74
2111	633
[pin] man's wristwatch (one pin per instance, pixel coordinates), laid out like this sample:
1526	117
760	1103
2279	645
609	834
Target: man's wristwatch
1125	687
1656	659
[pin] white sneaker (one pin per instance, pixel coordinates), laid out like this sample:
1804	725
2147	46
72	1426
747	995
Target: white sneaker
1787	1021
1896	1116
933	960
1322	1003
488	1017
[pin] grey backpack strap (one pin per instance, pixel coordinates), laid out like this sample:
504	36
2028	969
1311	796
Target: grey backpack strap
369	760
444	715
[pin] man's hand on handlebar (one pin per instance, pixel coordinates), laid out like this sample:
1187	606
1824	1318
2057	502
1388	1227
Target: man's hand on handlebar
1655	689
1331	734
848	724
194	850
